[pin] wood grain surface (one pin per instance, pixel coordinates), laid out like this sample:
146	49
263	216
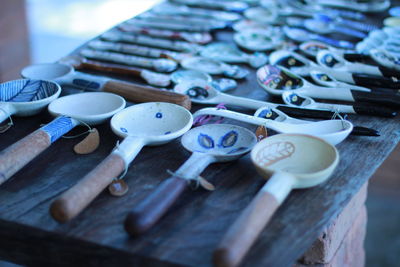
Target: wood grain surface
194	226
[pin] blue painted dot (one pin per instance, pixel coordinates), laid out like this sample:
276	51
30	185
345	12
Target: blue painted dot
124	130
159	115
168	132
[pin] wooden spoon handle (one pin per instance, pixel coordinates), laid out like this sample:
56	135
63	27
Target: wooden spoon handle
16	156
139	93
245	230
78	197
110	68
149	211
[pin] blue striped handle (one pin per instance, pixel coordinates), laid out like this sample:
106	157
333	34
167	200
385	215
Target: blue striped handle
58	127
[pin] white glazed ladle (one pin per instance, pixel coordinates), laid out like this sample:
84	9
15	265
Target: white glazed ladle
71	111
332	131
291	162
297	100
209	144
276	80
147	124
26	97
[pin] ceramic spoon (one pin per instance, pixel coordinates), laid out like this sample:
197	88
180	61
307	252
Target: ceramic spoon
214	67
255	40
169	8
192	37
300	35
329	27
150	77
303	66
276	80
101	53
71	111
295	162
201	92
311	49
332	131
358	25
171	26
297	100
147	124
385	58
363	6
229	53
234	6
209	144
115	36
66	75
26	97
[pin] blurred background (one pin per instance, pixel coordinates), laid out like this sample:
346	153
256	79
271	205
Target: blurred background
38	31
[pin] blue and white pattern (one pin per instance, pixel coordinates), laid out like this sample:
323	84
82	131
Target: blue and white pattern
228	140
26	90
205	141
159	115
58	127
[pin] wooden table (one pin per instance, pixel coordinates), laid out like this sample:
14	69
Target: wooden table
194	226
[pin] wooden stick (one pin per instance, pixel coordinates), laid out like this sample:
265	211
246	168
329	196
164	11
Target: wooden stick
245	230
78	197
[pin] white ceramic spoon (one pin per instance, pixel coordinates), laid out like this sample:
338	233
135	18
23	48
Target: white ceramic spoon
190	76
291	162
209	144
332	131
297	100
71	111
202	92
257	41
147	124
65	75
234	6
26	97
360	6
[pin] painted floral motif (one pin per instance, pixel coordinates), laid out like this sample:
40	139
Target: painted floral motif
205	141
275	152
229	139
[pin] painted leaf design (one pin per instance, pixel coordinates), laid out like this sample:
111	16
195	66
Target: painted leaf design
274	152
26	90
205	141
229	139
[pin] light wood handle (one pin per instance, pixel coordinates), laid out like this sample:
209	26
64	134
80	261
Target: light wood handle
245	230
78	197
16	156
139	93
149	211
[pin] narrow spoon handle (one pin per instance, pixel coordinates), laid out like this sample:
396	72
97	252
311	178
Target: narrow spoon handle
74	200
245	230
155	205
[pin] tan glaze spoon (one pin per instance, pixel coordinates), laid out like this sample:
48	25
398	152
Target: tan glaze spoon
294	161
66	75
152	78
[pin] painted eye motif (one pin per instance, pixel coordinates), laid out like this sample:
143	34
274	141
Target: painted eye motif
205	141
293	98
229	139
159	115
123	130
197	92
292	61
329	60
266	113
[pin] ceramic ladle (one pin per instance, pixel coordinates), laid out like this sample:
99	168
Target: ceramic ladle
201	92
209	144
70	111
291	162
26	97
297	100
229	53
147	124
66	75
332	131
276	80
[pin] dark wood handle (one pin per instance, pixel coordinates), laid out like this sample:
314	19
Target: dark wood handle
16	156
78	197
245	230
139	93
110	68
155	205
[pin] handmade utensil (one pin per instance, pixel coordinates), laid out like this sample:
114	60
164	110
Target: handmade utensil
201	92
303	66
297	100
214	67
262	15
170	8
234	6
209	144
150	77
333	131
192	37
385	58
171	26
229	53
190	76
291	162
147	124
66	75
26	97
311	49
361	6
275	80
300	35
322	26
71	111
256	40
357	25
